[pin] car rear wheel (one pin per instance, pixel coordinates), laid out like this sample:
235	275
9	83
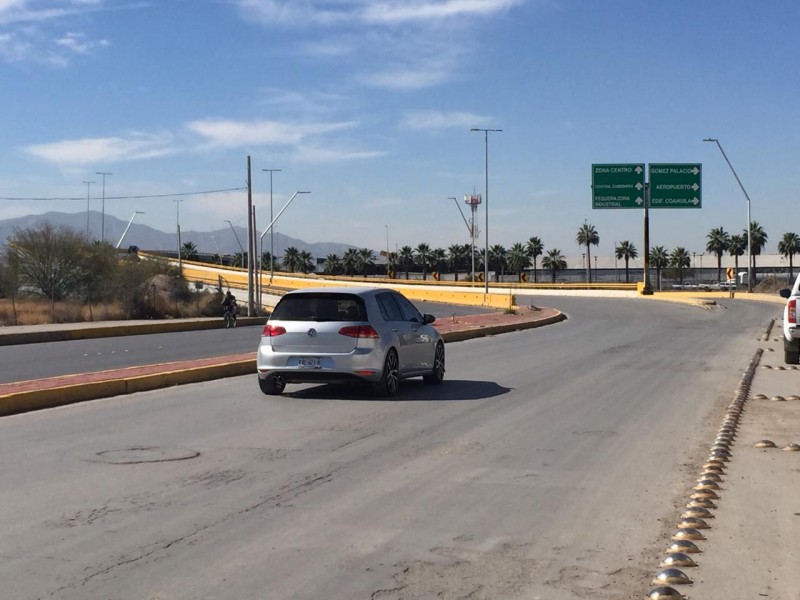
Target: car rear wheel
272	386
791	352
437	374
390	378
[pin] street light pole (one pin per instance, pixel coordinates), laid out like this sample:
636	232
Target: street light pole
486	207
219	255
177	202
241	248
119	243
271	233
103	218
749	221
88	194
280	212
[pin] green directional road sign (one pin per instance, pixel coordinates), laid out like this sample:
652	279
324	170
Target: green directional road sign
676	186
618	186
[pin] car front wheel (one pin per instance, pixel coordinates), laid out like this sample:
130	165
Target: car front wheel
437	374
390	377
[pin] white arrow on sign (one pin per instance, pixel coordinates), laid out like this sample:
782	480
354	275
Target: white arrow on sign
695	171
639	186
695	187
639	170
695	201
639	201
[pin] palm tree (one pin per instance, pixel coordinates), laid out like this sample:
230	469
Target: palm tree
291	259
587	236
438	259
554	262
422	256
736	248
391	262
333	264
718	240
535	248
349	261
265	260
626	251
365	258
456	256
660	260
406	257
788	247
189	251
497	260
517	259
680	259
758	239
305	262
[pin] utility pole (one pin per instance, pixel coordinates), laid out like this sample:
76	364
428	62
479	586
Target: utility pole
271	232
103	218
250	299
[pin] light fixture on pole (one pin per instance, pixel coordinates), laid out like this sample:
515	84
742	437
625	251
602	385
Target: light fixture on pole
272	222
469	230
749	220
237	240
486	207
103	217
271	233
138	212
88	194
219	255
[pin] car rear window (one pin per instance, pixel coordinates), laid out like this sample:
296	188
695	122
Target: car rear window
320	307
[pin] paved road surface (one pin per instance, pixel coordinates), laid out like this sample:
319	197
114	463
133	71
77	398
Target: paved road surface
548	465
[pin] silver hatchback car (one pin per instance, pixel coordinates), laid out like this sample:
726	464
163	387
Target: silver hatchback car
342	334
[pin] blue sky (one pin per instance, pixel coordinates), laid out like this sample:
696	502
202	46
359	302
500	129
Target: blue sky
369	105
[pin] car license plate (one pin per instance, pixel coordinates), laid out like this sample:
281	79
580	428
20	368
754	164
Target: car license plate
312	362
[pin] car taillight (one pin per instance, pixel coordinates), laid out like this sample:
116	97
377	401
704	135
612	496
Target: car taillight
359	331
793	311
272	330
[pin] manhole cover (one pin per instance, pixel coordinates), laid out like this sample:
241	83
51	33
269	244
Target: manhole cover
146	454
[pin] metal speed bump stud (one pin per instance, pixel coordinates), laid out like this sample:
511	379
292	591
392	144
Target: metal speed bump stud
678	559
791	448
793	397
706	484
765	444
693	523
688	534
778	399
759	397
697	512
700	503
707	494
671	576
710	476
685	546
665	593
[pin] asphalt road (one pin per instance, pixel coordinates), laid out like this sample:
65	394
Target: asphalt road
548	465
34	361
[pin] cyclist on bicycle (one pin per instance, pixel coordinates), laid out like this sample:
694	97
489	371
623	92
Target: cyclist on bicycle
229	306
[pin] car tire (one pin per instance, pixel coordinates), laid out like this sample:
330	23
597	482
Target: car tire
791	352
272	386
437	374
387	385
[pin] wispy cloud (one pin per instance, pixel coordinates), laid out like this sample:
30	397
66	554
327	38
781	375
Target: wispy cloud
401	45
90	151
434	119
33	31
389	12
232	134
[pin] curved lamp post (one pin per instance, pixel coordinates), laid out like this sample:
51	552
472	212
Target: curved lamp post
749	235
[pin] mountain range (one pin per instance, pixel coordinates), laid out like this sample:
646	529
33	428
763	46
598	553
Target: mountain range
226	241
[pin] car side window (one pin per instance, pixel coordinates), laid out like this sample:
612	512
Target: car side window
410	312
388	307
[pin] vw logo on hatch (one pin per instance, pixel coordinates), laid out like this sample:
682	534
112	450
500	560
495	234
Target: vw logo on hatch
311	332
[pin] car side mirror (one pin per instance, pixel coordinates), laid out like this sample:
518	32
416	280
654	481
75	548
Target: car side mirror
785	293
427	319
